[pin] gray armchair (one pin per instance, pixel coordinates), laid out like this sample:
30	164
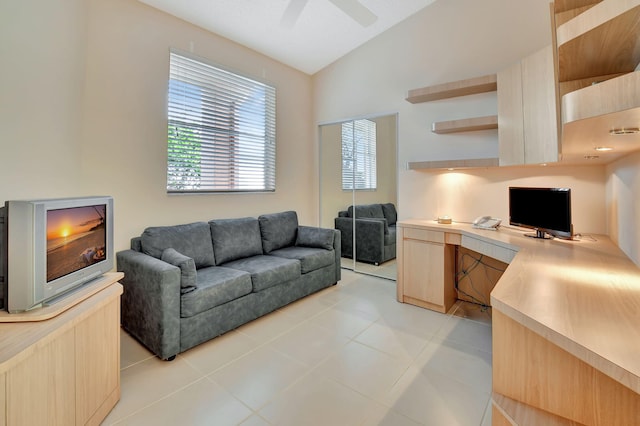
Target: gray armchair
375	230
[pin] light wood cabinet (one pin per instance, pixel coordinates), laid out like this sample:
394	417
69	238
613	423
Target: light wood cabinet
64	370
527	111
426	269
597	54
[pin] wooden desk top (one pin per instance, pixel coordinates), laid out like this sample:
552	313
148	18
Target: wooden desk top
583	295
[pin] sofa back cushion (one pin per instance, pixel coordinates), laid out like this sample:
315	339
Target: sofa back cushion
235	238
278	230
367	211
192	240
390	213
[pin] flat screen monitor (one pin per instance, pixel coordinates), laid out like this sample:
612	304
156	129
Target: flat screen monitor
547	210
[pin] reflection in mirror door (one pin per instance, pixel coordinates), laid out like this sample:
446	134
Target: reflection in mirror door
358	167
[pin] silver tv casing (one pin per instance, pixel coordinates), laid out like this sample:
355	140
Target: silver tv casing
26	273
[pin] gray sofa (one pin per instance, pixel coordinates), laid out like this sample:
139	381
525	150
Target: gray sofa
375	227
186	284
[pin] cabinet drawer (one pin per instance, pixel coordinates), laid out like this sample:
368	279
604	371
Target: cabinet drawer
494	251
423	235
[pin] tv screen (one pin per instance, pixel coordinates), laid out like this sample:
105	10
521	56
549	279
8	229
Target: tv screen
547	210
76	238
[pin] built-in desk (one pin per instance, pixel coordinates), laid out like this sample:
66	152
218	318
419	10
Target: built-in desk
566	321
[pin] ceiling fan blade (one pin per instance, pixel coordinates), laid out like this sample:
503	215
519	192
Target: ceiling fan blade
357	11
292	13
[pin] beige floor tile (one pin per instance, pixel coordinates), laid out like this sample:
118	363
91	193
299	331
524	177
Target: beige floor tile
467	332
202	403
345	322
413	320
216	353
363	369
269	327
258	376
456	361
380	415
306	308
255	420
146	382
131	351
309	344
486	419
394	342
435	399
316	400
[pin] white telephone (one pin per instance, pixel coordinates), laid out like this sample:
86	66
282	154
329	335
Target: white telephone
487	222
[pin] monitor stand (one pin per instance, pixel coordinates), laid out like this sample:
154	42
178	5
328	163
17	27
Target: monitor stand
540	234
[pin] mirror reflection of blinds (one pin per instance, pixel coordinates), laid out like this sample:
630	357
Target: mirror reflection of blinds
359	155
222	129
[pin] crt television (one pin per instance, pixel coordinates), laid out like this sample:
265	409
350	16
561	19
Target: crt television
547	210
55	246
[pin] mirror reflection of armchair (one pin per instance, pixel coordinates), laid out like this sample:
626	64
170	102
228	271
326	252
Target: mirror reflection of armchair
375	230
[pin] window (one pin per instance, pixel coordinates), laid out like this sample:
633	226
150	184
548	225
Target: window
221	135
359	155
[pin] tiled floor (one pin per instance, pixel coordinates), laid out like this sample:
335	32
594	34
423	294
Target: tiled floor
349	355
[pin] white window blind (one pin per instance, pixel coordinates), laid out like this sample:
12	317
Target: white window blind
359	155
222	135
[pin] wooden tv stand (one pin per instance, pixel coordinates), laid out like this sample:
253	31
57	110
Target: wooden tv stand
61	364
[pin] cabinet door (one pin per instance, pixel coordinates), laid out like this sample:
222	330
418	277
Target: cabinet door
510	116
540	111
98	363
39	386
423	269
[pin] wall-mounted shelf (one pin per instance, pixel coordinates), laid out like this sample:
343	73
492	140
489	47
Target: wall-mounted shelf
453	164
465	125
471	86
599	41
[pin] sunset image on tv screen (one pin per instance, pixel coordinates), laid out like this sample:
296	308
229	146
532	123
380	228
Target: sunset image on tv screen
76	238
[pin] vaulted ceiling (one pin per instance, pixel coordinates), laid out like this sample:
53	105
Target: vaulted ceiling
305	34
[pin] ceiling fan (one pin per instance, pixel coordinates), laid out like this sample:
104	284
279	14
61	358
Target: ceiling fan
356	10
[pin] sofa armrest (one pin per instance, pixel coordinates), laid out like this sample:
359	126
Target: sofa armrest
370	239
151	301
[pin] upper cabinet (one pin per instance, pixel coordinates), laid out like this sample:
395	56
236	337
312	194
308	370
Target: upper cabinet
598	52
527	111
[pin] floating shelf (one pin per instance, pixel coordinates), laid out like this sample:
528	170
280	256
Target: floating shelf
454	164
471	86
465	125
599	41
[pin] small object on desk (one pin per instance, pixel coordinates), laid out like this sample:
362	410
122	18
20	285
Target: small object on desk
445	220
487	222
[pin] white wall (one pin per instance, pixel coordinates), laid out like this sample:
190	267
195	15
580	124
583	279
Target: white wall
95	121
42	76
447	41
623	204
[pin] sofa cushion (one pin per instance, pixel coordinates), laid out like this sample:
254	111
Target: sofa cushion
309	236
310	258
215	286
366	211
278	230
235	239
187	268
267	271
192	240
390	213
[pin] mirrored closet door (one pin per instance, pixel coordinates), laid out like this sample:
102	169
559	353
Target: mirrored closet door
358	189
